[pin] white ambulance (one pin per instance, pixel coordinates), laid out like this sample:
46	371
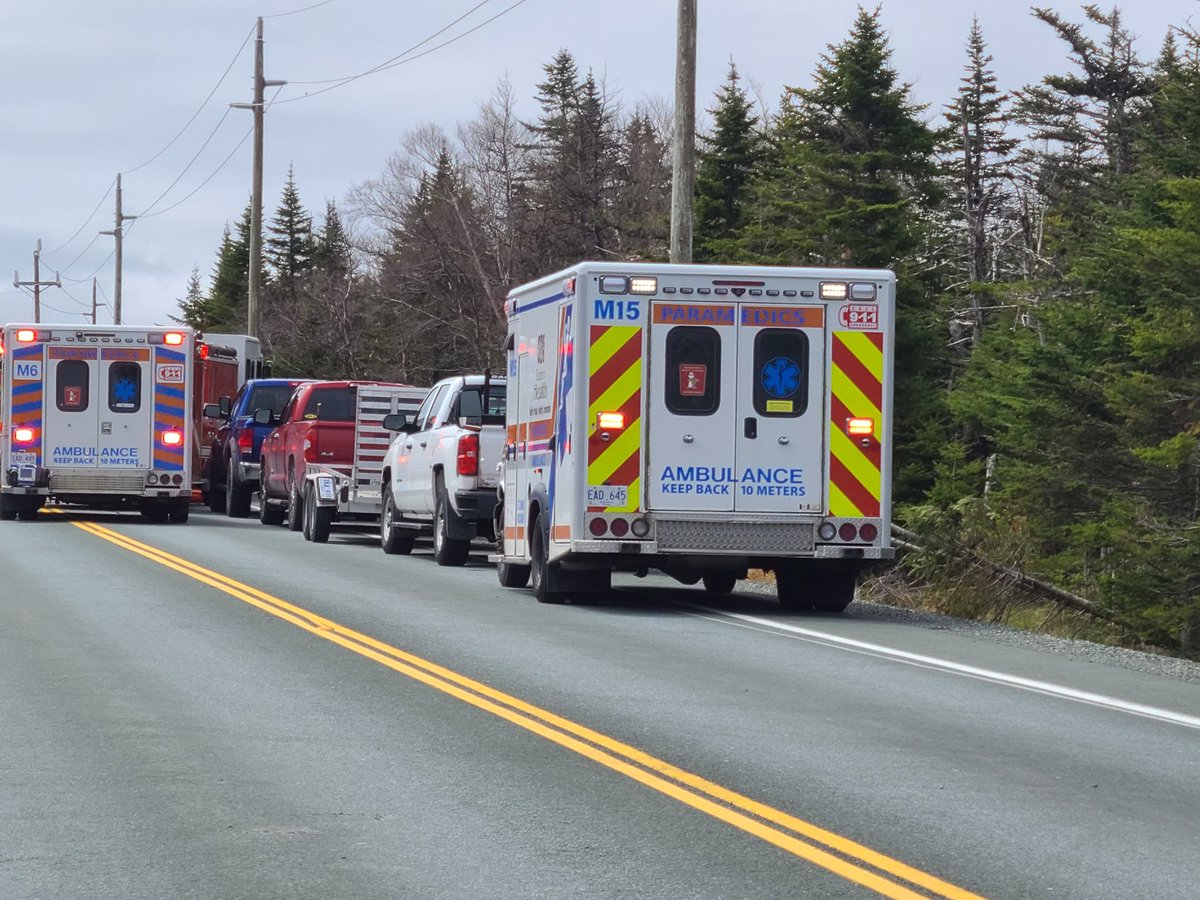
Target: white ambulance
702	421
97	417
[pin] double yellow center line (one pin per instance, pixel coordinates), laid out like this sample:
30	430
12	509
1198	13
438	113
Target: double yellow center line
823	848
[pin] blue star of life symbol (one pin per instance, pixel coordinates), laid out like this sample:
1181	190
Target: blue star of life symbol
125	390
781	377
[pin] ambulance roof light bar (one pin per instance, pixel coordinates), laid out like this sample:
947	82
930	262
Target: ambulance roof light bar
31	335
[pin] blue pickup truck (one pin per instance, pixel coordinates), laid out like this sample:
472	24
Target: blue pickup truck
234	467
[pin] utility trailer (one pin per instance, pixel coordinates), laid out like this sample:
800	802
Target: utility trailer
352	493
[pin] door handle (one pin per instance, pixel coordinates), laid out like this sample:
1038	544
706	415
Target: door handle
750	427
423	445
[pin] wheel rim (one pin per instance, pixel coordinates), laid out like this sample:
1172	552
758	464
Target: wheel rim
385	524
439	537
537	574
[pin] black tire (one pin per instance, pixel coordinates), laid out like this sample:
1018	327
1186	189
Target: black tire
447	551
237	496
318	520
392	539
295	509
153	511
793	589
512	575
178	510
540	568
8	509
833	590
267	514
719	582
216	488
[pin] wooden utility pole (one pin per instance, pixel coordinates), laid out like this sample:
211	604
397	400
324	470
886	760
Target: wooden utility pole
253	316
683	159
118	233
93	301
37	284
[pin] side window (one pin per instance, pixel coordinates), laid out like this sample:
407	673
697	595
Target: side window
781	372
286	415
71	376
430	419
693	370
124	387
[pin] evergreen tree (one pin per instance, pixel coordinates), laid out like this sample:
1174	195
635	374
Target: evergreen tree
981	172
288	245
727	161
195	308
576	157
230	283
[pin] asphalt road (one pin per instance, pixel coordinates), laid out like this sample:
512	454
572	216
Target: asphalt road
222	710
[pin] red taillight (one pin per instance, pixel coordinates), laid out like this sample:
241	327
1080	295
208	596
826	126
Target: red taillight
172	438
23	435
598	527
245	441
468	454
310	450
202	350
847	532
868	533
619	527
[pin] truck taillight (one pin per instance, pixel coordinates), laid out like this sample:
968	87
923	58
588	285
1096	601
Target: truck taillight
468	454
245	441
23	435
310	450
172	438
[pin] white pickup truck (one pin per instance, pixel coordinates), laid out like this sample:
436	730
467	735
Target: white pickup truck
440	471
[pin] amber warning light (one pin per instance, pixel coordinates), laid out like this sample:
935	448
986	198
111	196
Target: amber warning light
174	338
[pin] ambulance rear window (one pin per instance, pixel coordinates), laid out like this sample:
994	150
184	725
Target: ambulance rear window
71	378
780	372
693	370
124	387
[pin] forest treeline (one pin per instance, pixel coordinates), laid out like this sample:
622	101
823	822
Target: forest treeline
1045	240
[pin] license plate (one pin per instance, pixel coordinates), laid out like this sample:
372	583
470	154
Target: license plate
607	495
325	489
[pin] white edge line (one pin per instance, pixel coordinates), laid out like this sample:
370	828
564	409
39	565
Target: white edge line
930	662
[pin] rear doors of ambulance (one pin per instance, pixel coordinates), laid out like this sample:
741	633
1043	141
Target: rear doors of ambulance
736	406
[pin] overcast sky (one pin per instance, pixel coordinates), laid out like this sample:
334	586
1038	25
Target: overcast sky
90	89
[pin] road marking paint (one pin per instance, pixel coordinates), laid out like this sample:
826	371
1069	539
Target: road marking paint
837	854
945	665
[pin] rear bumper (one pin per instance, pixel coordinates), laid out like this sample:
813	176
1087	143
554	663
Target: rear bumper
475	505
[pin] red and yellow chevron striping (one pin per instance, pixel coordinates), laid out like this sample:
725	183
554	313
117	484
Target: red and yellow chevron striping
856	389
615	385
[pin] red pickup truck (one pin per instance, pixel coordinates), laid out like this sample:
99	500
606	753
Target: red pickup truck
316	426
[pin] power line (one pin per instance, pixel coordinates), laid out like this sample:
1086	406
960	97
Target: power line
199	110
399	59
191	162
85	221
294	11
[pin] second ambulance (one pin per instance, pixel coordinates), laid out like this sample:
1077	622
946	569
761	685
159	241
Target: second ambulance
702	421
